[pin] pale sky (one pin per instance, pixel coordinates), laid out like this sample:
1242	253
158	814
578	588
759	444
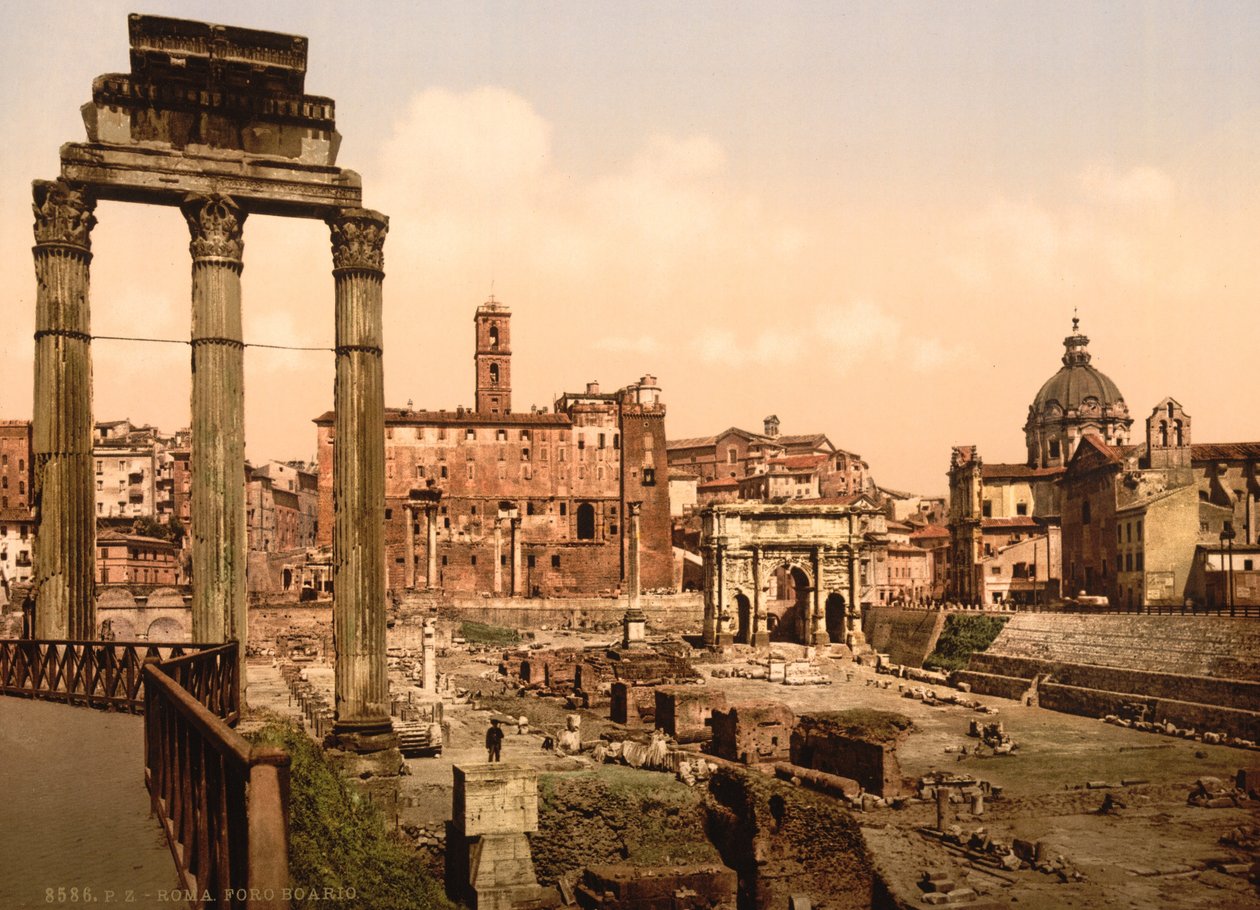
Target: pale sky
872	219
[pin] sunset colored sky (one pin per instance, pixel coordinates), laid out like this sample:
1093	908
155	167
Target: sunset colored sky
872	219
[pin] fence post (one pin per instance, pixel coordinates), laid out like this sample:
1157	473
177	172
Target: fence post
267	802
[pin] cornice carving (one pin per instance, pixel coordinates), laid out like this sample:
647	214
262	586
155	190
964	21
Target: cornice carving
216	224
63	213
358	239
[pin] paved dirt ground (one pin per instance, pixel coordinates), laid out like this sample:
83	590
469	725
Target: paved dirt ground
1156	852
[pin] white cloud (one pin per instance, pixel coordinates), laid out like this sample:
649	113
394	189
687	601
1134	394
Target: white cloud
643	344
845	335
1142	186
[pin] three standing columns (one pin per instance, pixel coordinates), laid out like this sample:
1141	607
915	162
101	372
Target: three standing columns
361	684
215	225
61	425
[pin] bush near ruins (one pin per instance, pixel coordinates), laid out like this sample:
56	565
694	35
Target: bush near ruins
962	636
337	841
479	633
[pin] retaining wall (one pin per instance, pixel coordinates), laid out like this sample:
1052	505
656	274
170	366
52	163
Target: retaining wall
907	636
665	612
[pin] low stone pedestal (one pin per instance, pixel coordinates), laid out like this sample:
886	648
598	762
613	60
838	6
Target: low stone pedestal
488	862
371	764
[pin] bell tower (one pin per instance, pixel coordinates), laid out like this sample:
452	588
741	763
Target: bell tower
493	358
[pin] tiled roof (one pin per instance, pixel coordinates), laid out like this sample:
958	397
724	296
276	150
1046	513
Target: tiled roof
1017	472
929	532
721	483
1016	521
691	442
469	417
798	462
1224	451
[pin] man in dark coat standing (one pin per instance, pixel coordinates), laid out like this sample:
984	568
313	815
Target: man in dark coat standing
494	741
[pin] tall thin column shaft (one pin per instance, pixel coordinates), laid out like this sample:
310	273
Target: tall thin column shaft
409	582
634	509
431	556
361	685
498	556
216	225
65	508
516	557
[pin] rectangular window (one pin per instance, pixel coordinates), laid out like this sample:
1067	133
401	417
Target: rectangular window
732	454
530	561
444	472
1140	561
986	509
443	560
1139	530
470	434
472	560
555	561
601	440
1248	565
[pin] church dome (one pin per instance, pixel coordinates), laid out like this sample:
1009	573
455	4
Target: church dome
1079	399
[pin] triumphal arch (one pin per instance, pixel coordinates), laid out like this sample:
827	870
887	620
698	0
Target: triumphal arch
213	121
788	572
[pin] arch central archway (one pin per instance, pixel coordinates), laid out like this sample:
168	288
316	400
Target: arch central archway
835	618
790	604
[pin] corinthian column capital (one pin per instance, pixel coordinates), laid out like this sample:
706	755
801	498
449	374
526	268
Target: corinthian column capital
63	213
216	224
358	239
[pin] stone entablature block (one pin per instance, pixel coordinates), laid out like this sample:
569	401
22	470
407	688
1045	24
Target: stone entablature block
495	799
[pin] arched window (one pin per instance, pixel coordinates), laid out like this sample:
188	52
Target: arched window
1163	434
494	337
1178	440
586	521
494	374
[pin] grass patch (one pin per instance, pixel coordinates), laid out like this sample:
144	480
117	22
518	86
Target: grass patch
865	724
480	633
962	636
339	841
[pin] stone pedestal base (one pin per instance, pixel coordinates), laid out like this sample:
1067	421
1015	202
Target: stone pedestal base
723	640
373	774
760	639
634	629
494	872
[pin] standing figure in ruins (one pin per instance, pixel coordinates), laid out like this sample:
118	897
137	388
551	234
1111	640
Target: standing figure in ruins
494	741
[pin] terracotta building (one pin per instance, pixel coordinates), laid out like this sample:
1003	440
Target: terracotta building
130	559
1159	524
791	464
17	472
537	502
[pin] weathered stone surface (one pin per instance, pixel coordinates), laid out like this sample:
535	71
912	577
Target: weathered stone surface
216	228
362	692
61	428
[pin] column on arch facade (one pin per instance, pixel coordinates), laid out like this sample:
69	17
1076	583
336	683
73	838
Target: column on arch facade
61	424
216	228
361	684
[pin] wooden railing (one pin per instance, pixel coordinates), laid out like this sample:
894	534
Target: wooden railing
222	801
100	674
212	677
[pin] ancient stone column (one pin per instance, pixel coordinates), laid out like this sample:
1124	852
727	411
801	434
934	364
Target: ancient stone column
710	596
757	636
854	613
361	685
215	224
818	614
411	515
498	554
516	557
430	658
634	623
431	567
61	425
